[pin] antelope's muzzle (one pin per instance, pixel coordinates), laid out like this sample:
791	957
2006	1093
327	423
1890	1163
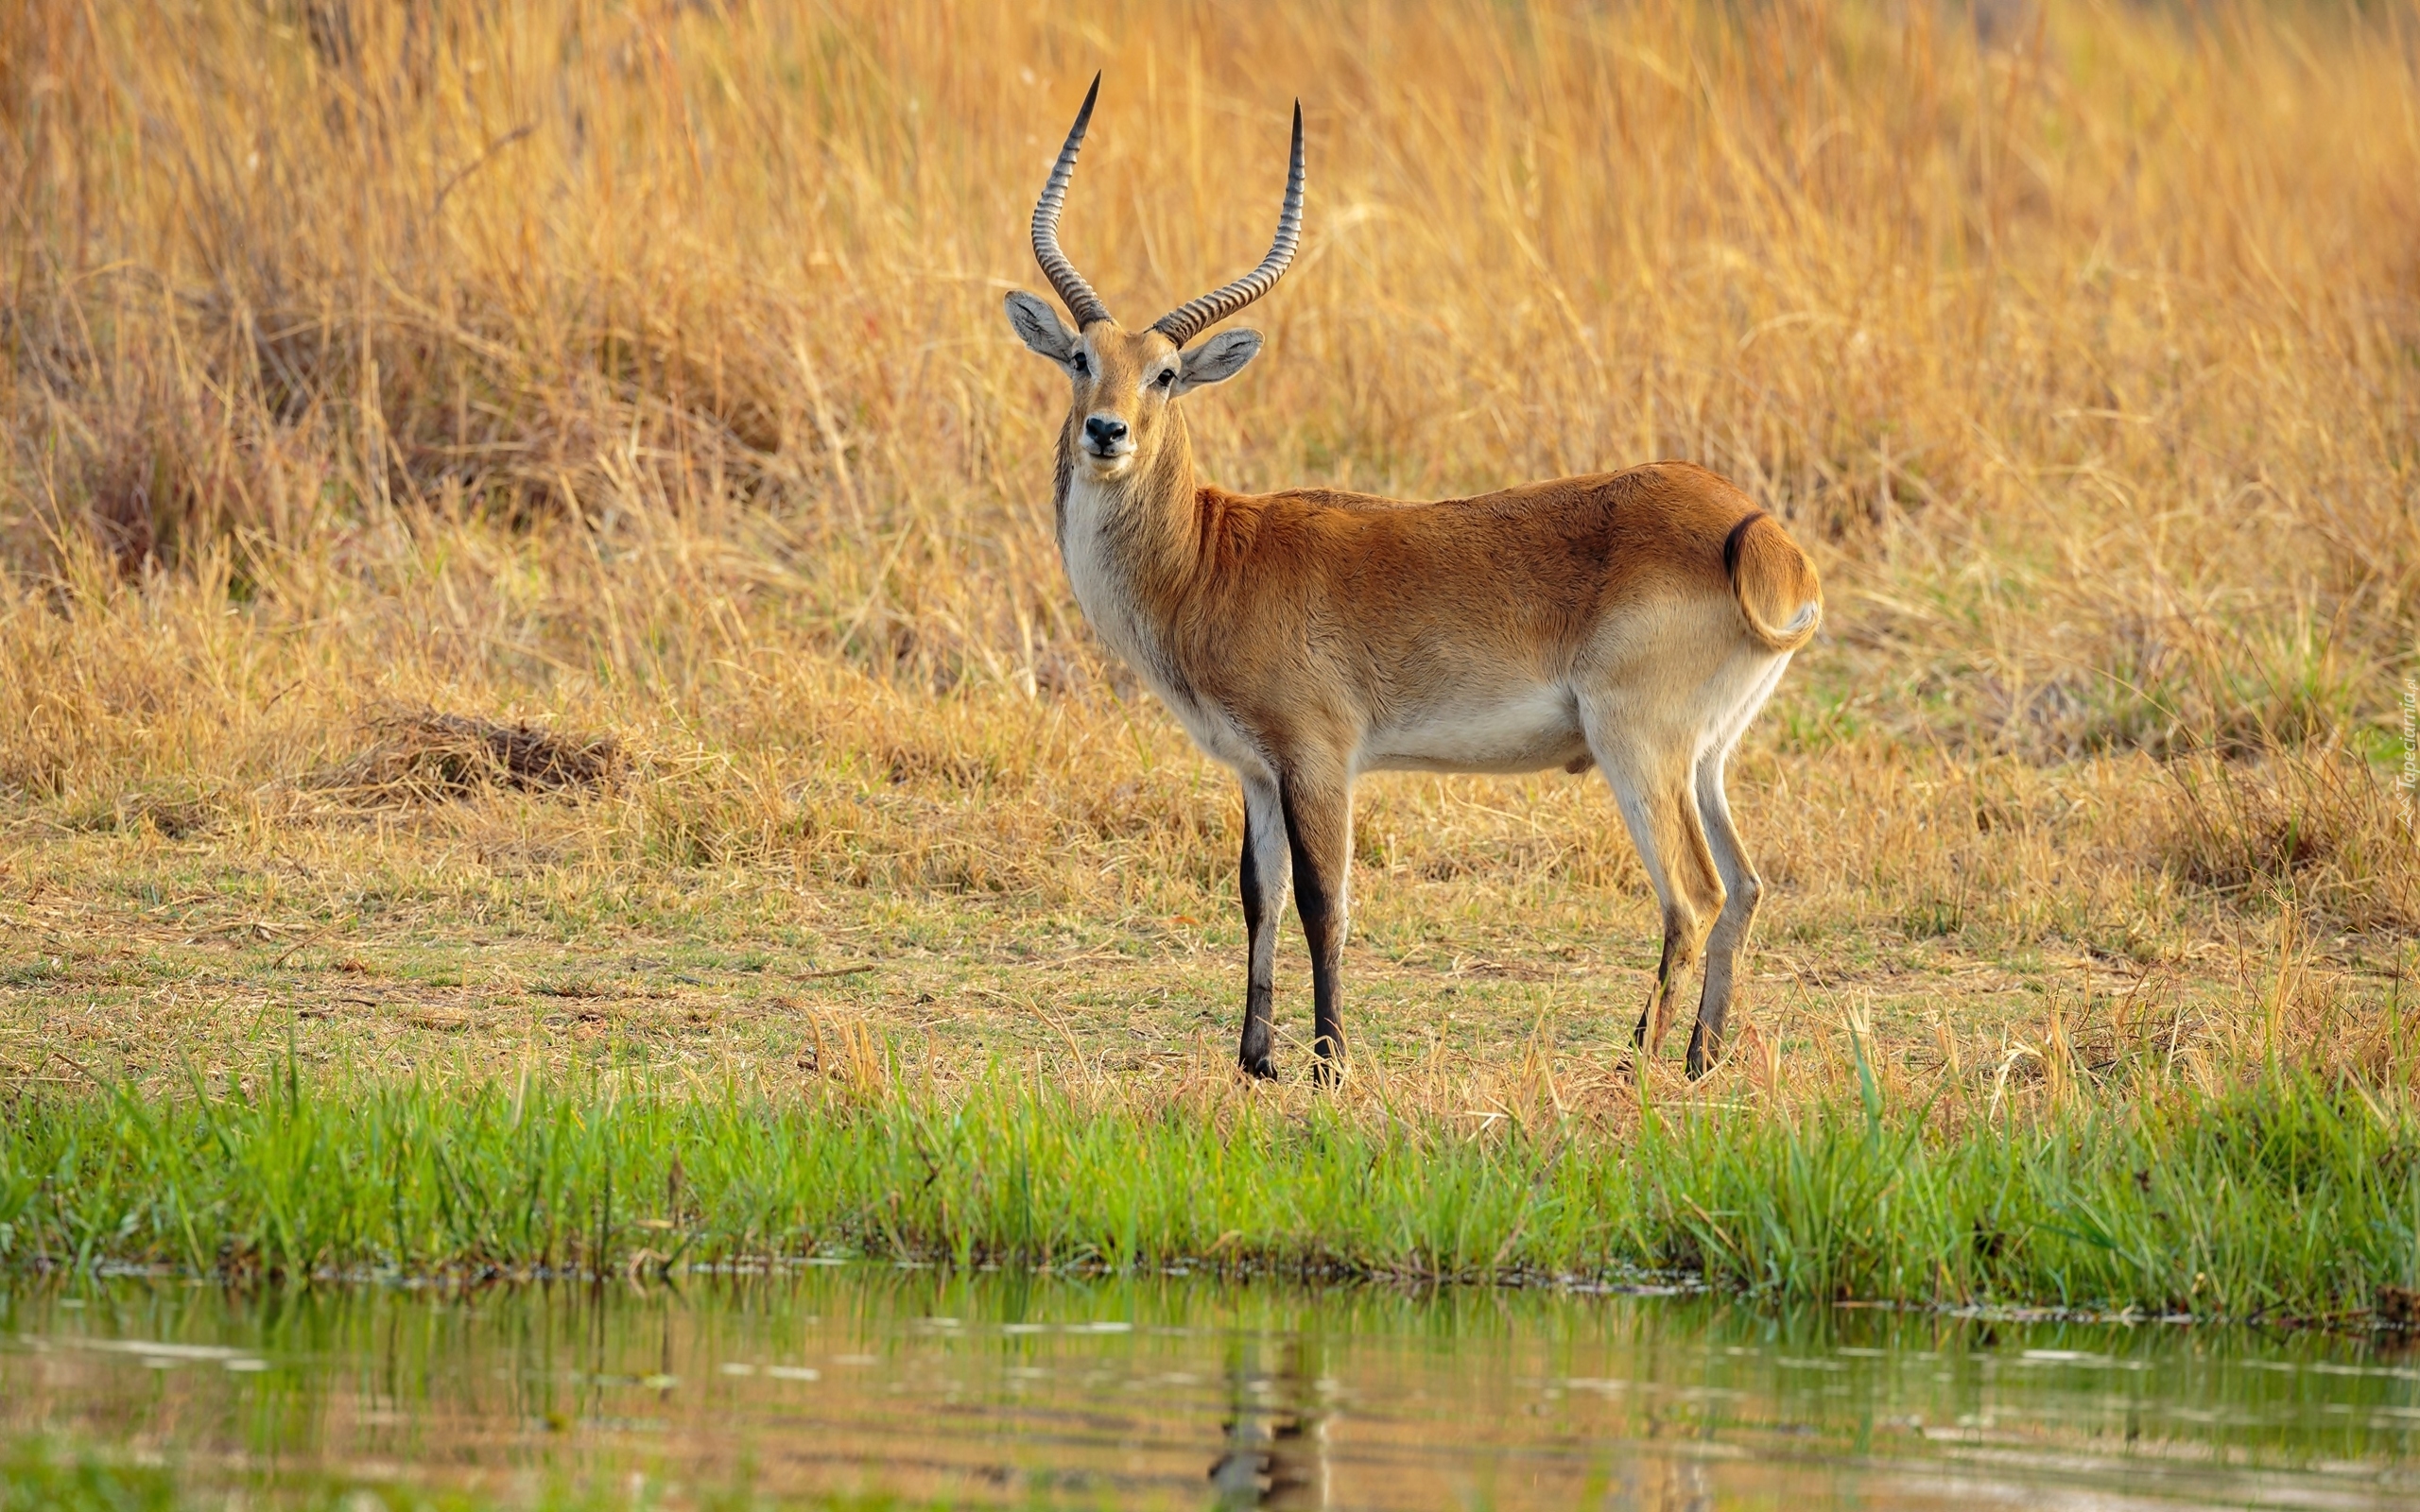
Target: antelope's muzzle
1105	436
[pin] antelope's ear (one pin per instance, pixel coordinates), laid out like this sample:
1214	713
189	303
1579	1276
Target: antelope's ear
1218	359
1038	326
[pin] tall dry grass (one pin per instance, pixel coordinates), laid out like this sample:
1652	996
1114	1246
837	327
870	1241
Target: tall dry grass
640	367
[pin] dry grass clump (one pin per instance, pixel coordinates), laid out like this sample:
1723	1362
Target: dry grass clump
2322	828
416	755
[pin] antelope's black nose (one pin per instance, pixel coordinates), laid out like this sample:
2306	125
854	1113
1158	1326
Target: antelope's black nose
1105	432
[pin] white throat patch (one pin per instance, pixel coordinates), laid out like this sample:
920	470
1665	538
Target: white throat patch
1103	588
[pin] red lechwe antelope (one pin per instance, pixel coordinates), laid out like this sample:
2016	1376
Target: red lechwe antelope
1633	621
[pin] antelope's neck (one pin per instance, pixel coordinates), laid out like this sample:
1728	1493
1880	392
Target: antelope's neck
1130	548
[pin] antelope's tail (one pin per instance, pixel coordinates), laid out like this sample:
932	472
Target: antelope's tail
1774	583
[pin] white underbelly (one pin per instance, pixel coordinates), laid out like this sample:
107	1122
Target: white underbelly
1524	729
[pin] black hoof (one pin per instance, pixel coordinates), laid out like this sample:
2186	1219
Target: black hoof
1258	1068
1700	1061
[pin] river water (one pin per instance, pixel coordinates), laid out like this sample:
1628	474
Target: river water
1001	1388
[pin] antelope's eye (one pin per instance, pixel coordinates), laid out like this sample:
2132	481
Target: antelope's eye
1167	377
1081	366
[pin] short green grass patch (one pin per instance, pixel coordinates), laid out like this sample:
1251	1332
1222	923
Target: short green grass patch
2290	1197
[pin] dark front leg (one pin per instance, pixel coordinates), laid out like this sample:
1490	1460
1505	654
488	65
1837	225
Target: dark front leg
1264	887
1319	825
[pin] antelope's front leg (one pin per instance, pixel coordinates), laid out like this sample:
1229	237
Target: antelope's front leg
1264	887
1319	828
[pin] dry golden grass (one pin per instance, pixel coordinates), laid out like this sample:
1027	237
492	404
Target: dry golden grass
637	372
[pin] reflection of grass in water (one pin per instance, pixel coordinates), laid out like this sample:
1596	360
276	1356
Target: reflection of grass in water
44	1476
2294	1198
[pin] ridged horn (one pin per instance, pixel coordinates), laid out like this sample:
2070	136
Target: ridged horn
1189	320
1074	292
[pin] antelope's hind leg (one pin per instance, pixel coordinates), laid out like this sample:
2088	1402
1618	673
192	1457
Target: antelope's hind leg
1263	882
1653	789
1742	887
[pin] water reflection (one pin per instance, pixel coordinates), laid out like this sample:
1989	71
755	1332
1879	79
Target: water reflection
1276	1437
1167	1392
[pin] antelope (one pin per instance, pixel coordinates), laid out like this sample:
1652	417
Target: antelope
1631	621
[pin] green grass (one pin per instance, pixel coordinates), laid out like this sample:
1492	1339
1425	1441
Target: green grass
2290	1199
